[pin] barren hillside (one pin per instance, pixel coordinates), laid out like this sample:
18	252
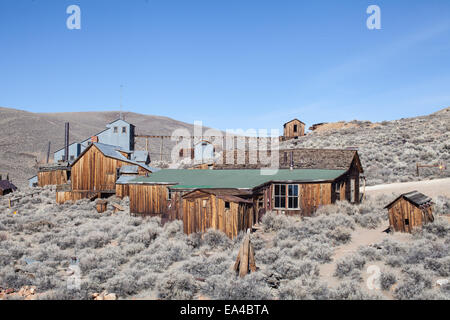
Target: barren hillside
24	136
389	150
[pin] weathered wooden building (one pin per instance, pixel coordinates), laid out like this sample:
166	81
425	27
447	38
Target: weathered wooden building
410	210
54	174
293	129
222	209
97	169
170	193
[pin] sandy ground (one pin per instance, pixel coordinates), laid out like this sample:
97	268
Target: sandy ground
431	188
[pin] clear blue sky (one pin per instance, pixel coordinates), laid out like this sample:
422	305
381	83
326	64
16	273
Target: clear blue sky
230	63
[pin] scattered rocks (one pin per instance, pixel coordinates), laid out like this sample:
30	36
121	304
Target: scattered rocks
104	296
26	293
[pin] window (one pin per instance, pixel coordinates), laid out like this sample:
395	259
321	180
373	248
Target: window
293	196
337	191
169	194
286	196
124	129
115	129
280	196
72	157
204	202
295	128
227	205
406	222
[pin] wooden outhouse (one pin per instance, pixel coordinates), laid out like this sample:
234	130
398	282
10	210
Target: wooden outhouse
293	129
410	210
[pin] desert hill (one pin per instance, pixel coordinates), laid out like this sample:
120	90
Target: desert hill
24	136
389	150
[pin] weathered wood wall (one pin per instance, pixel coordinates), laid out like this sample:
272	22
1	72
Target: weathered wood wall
209	212
65	196
311	196
94	171
122	190
148	199
402	210
53	177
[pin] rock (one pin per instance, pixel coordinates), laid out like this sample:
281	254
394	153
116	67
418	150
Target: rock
441	282
110	296
9	291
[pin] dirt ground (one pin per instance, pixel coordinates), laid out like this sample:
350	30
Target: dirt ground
431	188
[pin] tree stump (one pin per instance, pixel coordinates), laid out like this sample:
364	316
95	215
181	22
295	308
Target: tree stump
245	260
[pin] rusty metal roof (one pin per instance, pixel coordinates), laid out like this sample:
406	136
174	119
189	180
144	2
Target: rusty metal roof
415	197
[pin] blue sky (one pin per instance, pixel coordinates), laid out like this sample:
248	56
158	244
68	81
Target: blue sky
229	63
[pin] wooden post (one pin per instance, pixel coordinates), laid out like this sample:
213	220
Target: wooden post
146	144
245	260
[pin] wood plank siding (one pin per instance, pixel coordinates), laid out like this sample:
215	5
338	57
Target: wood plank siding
202	211
293	129
405	216
148	199
54	177
310	197
94	171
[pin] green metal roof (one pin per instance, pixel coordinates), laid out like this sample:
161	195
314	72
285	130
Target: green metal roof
237	179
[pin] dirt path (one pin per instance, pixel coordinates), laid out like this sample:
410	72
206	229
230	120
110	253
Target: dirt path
431	188
360	237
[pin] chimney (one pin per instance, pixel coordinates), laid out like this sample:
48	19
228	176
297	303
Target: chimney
94	139
291	167
66	143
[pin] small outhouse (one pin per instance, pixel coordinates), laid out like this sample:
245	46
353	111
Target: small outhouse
410	210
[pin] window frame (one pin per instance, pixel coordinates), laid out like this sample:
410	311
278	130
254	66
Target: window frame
227	205
124	129
116	129
285	197
169	194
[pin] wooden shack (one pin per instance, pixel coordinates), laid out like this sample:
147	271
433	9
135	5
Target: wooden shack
293	129
170	194
97	169
54	174
410	210
220	209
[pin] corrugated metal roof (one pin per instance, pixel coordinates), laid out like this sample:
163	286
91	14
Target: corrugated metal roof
240	179
415	197
140	156
113	152
129	169
125	179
